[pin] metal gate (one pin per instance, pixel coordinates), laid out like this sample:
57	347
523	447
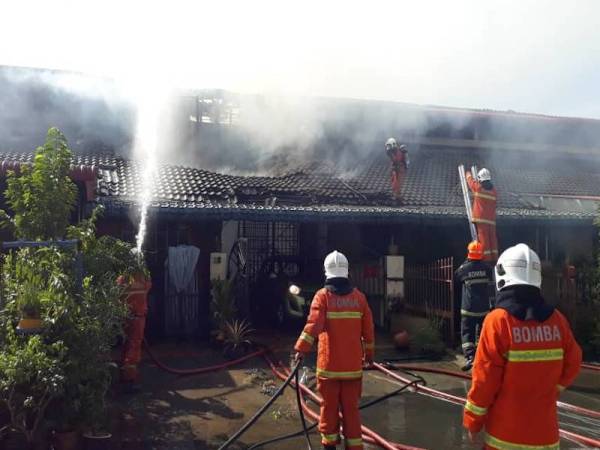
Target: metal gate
369	277
430	292
257	246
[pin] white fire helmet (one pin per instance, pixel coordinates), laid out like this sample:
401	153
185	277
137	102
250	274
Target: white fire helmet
484	175
390	144
336	265
518	265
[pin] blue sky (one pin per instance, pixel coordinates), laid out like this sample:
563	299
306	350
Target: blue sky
533	56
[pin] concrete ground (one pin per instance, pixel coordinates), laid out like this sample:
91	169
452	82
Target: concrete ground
198	412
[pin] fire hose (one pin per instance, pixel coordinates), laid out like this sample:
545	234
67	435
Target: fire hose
292	374
199	370
313	426
461	401
368	434
588	366
435	370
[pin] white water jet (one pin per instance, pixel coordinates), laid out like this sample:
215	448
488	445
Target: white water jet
150	105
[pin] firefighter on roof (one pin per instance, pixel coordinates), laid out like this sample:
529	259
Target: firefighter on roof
525	357
341	320
484	212
398	154
474	275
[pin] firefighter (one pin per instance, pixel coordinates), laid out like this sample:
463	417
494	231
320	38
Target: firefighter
474	275
398	154
340	318
526	356
136	297
484	212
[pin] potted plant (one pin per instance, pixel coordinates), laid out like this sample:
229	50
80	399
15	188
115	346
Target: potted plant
237	338
64	420
29	304
31	377
223	308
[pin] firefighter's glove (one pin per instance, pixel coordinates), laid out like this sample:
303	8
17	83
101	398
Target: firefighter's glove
299	356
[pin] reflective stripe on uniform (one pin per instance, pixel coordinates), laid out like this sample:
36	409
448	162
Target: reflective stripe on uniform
330	439
486	196
504	445
307	337
332	374
344	315
464	312
353	442
551	354
477	281
477	410
488	222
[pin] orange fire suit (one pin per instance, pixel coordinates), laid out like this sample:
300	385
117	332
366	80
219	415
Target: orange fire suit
484	217
137	301
399	167
343	325
520	367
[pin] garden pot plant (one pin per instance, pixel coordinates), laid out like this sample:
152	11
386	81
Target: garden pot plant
223	309
237	339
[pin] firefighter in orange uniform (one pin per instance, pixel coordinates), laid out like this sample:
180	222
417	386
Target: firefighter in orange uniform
525	357
136	296
398	154
340	318
484	212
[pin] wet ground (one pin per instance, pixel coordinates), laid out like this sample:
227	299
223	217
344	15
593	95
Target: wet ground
198	412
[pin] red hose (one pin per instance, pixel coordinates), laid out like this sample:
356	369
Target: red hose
595	367
380	441
461	401
199	370
567	406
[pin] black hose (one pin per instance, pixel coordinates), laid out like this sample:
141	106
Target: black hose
262	410
313	426
301	410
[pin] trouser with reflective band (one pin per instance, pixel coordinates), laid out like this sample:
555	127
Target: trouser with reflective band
470	327
134	335
341	395
494	443
486	235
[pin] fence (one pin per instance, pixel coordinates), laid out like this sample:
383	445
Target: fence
430	292
369	277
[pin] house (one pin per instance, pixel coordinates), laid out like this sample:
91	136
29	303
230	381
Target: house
546	169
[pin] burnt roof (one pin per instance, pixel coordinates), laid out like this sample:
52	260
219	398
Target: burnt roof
316	189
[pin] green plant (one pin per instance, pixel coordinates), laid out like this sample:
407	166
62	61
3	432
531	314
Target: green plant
32	194
428	339
237	335
31	377
63	374
223	307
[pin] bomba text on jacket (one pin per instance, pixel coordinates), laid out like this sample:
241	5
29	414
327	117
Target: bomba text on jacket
540	333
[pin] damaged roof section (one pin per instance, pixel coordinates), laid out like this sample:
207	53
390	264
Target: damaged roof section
529	186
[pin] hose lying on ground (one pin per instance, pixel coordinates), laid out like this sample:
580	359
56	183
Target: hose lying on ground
567	406
262	410
579	439
368	435
589	366
313	426
200	369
